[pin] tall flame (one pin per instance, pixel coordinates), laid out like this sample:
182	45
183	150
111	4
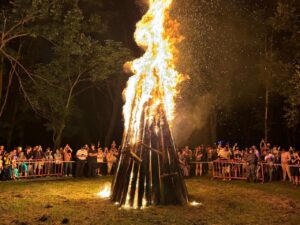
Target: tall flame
152	88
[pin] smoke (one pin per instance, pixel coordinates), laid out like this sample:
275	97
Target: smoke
191	116
142	4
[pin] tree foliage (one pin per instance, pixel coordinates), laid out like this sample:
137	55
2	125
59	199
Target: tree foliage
77	62
293	110
284	23
76	58
18	19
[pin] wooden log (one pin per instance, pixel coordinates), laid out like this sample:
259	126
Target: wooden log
168	175
147	147
150	169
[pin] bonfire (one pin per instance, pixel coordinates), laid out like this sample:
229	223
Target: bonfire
148	171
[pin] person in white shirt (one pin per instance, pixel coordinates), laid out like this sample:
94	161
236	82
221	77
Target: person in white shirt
110	160
100	161
81	156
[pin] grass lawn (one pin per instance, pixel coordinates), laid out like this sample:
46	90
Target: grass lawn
75	200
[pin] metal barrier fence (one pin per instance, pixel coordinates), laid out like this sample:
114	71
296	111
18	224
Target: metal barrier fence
224	169
238	170
229	169
38	168
20	169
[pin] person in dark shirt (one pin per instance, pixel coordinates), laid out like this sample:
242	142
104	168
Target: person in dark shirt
295	161
29	156
92	161
28	153
38	156
251	160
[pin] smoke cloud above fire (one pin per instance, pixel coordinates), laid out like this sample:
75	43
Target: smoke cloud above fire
190	117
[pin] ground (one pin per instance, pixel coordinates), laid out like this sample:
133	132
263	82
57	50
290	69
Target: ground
74	201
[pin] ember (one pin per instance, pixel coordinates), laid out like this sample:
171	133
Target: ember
148	171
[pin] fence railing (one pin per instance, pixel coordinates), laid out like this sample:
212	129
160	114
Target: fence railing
37	168
239	170
229	169
224	169
19	169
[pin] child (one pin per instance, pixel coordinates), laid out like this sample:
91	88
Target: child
15	171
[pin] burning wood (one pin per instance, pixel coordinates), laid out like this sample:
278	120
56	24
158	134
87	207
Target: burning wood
148	171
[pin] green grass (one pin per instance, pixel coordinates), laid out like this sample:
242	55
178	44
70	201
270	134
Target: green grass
223	202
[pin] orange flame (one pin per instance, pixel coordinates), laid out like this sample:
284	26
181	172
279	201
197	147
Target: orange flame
152	88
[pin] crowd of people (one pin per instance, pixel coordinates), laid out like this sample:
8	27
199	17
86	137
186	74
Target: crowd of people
89	161
266	162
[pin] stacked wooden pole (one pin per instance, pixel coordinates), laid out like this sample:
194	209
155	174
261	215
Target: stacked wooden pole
148	173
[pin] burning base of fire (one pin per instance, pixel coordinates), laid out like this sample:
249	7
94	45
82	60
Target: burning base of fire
105	191
194	203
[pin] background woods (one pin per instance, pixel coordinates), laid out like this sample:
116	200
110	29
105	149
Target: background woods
61	77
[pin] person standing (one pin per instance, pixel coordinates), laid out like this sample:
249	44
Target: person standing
38	156
199	159
48	161
270	160
67	160
110	160
92	161
29	156
237	157
7	166
22	165
251	160
224	155
295	167
183	163
81	156
100	161
285	161
115	153
58	158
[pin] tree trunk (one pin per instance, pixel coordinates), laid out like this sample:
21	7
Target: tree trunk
1	76
58	136
269	59
4	99
115	109
12	126
266	113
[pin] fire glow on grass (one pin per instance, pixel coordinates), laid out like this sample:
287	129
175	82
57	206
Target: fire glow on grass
105	191
194	203
152	88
